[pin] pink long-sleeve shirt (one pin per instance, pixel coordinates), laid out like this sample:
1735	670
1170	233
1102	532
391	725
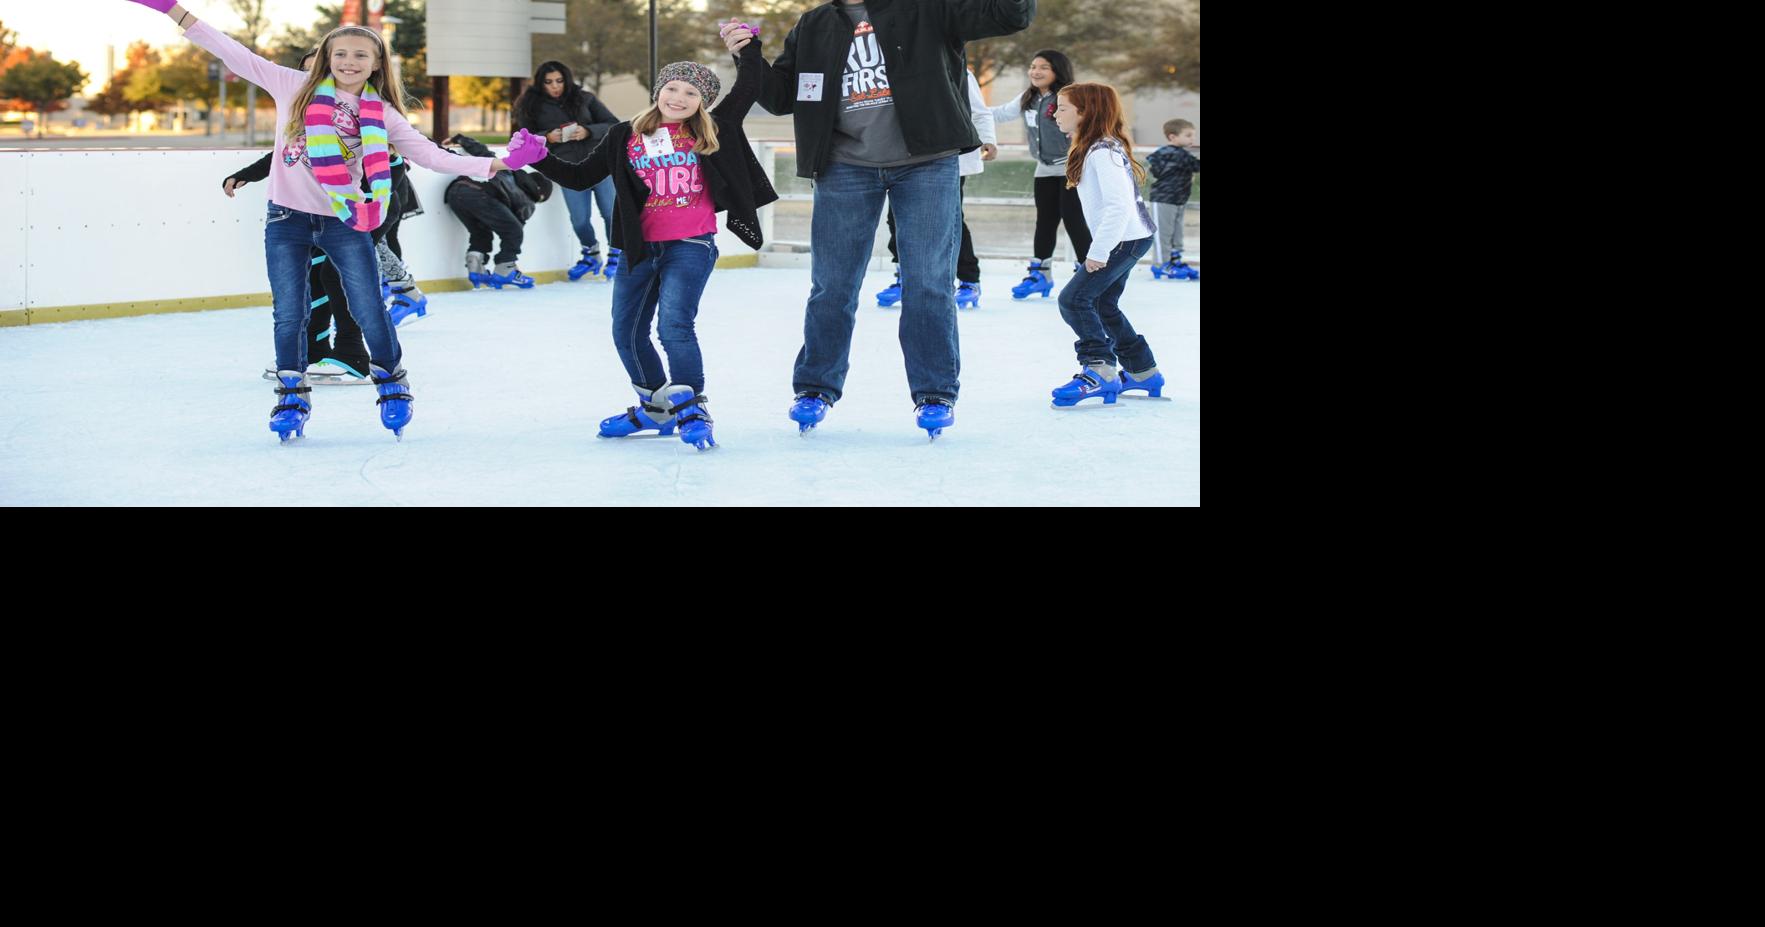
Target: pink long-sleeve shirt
291	176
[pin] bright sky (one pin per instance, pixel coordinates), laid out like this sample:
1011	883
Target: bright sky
79	30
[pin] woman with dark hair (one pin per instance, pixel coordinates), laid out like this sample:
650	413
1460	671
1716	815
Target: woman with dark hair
1049	72
573	122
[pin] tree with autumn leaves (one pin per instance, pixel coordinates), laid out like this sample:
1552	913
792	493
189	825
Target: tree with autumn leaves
34	80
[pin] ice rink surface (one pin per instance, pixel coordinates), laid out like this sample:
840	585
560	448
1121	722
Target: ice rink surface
510	386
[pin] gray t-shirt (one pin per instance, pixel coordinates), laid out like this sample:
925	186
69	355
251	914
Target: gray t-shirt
867	127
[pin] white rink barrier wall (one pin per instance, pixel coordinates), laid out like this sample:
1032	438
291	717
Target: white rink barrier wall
108	233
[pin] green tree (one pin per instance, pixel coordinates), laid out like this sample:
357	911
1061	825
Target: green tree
254	18
1094	38
606	38
111	100
145	88
43	83
1169	54
491	93
185	77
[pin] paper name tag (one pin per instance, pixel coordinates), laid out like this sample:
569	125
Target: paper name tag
809	87
658	143
1029	118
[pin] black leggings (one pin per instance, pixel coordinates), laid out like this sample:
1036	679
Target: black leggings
1056	204
329	304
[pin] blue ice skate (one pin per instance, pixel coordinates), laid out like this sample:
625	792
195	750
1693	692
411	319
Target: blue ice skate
644	416
1038	281
408	305
506	274
589	265
890	294
690	415
288	418
395	399
1153	384
1088	383
808	411
935	415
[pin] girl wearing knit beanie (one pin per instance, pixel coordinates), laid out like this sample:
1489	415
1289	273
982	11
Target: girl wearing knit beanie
674	167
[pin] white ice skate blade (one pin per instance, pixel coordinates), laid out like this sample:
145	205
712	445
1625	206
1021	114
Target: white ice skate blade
1082	406
1144	398
322	379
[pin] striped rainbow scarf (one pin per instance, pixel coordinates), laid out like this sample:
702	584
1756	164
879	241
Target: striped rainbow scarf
325	151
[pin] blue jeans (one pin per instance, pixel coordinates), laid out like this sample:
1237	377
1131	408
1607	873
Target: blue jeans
665	287
927	201
1090	303
289	238
581	204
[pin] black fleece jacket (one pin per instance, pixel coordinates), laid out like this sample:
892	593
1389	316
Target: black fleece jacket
922	40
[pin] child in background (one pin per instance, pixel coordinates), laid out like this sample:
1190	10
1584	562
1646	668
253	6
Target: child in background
1173	172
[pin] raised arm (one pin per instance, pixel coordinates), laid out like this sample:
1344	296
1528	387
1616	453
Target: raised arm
778	80
281	82
749	75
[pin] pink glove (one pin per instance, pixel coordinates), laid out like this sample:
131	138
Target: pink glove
164	6
524	149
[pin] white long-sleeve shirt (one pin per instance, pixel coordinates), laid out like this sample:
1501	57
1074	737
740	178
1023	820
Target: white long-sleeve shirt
971	163
1111	200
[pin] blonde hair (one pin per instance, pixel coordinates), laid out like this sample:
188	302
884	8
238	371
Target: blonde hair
699	125
384	79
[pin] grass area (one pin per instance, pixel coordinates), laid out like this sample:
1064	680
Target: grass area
1006	179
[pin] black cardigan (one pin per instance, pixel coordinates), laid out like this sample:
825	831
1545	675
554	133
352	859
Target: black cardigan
737	183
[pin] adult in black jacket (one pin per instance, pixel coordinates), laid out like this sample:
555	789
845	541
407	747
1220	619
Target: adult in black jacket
675	167
881	111
573	122
502	205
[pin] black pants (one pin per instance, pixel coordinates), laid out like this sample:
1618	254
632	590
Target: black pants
1055	204
483	214
329	304
968	267
397	207
388	230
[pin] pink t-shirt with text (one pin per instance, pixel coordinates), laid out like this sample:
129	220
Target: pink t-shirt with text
680	204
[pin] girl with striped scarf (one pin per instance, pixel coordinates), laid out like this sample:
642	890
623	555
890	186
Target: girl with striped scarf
333	126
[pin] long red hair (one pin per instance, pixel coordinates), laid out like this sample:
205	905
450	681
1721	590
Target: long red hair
1100	117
